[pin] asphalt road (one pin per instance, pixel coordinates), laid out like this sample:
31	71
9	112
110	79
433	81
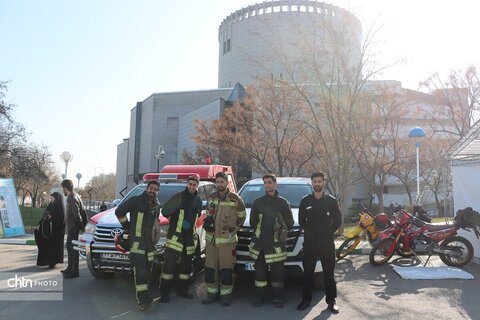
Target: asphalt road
364	292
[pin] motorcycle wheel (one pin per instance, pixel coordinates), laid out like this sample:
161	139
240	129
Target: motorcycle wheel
378	255
347	247
462	248
401	252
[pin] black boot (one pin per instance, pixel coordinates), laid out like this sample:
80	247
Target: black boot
259	296
226	299
277	297
211	298
165	289
183	290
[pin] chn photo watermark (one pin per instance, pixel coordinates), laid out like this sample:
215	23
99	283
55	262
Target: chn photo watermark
25	286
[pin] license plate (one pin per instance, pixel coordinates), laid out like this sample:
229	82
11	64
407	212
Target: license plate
118	256
249	266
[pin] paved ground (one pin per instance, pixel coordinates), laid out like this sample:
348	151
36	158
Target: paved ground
365	292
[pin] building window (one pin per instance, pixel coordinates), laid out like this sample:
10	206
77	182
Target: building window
385	189
224	47
228	45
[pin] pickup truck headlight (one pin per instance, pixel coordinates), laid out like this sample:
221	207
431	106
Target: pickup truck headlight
90	228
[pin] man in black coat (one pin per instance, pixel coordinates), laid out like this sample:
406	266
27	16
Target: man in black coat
144	210
73	224
319	215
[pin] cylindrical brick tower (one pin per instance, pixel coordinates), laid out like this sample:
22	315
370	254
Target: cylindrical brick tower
285	39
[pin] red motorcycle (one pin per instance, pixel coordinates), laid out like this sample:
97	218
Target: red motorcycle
415	236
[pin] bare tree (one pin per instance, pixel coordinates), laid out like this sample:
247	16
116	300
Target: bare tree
103	186
376	136
267	128
201	154
456	101
405	168
432	171
337	72
12	134
40	170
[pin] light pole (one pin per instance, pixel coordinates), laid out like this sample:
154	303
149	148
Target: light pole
417	134
78	176
66	157
160	155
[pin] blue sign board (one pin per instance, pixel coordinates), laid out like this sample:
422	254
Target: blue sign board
11	223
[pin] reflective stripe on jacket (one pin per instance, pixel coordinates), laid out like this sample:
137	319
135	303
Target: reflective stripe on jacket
183	210
143	214
270	215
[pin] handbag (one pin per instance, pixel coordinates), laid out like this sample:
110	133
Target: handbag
42	222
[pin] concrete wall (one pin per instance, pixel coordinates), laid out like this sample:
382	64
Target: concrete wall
207	112
157	121
259	39
121	171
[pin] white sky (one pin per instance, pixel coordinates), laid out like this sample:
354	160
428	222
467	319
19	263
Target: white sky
78	68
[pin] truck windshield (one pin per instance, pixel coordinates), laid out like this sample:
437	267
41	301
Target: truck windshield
292	192
167	190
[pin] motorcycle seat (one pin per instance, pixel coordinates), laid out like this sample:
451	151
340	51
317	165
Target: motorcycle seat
436	227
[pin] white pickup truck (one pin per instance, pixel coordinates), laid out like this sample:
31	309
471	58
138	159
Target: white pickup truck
293	189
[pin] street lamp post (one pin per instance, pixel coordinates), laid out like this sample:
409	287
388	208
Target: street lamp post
417	134
78	176
66	157
160	155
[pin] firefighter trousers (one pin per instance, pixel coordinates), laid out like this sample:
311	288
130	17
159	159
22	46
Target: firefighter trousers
261	277
169	268
219	263
327	258
142	266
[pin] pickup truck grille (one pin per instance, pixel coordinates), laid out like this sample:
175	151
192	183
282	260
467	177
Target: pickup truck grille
104	234
245	235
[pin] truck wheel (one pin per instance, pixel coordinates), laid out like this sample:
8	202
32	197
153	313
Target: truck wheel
318	280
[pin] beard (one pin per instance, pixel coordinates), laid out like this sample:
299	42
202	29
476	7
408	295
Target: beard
317	188
221	189
151	195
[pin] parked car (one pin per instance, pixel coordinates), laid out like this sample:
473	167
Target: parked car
293	189
96	245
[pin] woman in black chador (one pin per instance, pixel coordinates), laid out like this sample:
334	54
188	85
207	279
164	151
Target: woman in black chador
50	233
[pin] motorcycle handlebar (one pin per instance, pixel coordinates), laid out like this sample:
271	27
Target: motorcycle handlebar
361	207
355	219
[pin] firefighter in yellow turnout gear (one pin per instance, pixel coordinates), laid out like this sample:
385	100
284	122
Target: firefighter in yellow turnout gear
144	210
271	217
182	209
226	214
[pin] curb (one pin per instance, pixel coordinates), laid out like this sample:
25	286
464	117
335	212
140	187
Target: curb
29	242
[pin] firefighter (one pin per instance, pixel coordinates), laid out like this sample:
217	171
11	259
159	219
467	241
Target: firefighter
319	216
144	210
271	217
226	214
182	209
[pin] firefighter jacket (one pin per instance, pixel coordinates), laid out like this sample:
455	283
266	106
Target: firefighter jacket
183	210
271	217
227	214
143	215
319	218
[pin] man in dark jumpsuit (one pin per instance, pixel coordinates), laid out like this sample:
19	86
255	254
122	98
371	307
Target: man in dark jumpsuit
144	210
319	216
182	209
271	217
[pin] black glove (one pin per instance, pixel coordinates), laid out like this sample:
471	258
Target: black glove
209	224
